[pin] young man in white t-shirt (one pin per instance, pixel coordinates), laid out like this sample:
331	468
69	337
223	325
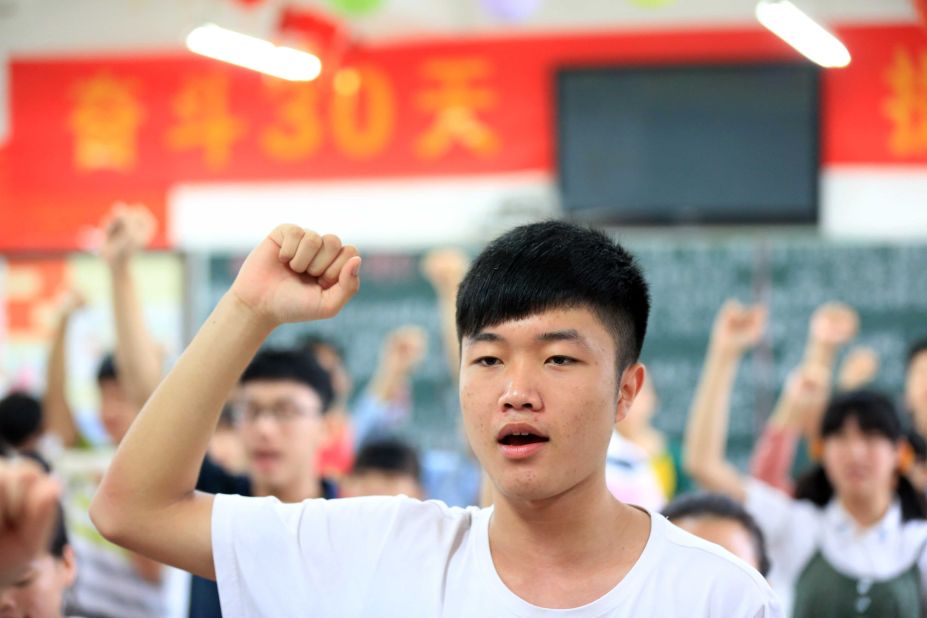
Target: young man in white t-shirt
551	319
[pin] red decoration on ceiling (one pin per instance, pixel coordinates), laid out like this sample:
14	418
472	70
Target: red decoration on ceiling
921	6
317	33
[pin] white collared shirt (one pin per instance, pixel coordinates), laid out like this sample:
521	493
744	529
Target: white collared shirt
796	529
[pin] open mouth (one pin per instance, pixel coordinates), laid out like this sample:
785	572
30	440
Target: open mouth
522	439
263	459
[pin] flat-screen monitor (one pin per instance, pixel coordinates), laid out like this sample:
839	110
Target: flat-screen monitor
689	144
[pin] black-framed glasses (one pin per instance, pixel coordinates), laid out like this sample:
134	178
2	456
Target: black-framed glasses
282	411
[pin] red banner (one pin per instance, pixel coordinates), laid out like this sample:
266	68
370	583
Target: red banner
87	131
875	110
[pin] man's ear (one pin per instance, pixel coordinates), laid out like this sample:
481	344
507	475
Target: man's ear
632	380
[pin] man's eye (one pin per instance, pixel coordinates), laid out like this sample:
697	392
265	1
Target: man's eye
487	361
561	360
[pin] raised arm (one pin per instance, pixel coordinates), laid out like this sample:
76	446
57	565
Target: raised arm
832	326
57	415
388	403
445	269
736	329
147	501
127	230
402	351
859	368
801	403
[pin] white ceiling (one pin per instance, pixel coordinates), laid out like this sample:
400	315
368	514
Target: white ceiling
30	27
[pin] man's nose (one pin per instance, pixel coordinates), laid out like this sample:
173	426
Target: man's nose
521	389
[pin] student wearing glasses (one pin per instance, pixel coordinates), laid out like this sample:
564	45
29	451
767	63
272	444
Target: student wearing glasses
278	413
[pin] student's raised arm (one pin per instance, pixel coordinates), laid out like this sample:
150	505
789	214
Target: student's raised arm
127	230
736	329
801	404
445	269
57	415
147	501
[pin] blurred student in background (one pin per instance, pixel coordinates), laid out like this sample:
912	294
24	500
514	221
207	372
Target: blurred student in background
642	467
915	385
37	565
852	540
783	450
113	583
385	467
21	425
385	406
451	475
279	413
723	521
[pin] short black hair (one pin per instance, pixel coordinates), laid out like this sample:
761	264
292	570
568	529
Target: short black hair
919	345
275	364
707	504
59	538
107	369
390	456
553	265
313	341
875	413
918	445
20	418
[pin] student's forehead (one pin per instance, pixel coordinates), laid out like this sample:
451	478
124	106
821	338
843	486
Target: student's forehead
276	389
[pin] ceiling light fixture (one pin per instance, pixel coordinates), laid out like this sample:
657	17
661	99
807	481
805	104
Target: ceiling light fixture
796	28
253	53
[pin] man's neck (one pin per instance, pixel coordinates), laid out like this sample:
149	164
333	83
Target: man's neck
561	520
304	488
540	548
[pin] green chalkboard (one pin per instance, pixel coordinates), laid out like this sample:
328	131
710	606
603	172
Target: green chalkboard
689	278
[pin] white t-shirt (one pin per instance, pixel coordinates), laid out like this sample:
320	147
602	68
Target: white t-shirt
405	558
796	529
629	475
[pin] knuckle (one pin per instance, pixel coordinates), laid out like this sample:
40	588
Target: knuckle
330	240
311	239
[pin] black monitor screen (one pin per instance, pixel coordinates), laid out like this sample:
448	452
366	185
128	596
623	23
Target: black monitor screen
716	144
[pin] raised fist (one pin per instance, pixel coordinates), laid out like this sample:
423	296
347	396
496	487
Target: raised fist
70	300
834	324
859	368
405	348
737	327
808	387
445	269
126	230
296	275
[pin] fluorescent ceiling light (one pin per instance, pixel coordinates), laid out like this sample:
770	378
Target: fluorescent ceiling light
253	53
793	26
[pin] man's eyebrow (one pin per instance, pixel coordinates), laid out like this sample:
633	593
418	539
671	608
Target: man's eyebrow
570	334
559	335
484	337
